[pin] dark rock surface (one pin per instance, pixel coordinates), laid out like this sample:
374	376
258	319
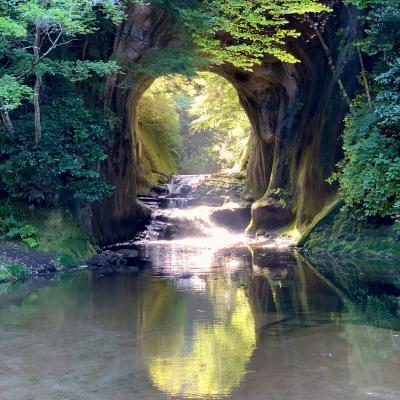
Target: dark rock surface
110	262
38	262
236	219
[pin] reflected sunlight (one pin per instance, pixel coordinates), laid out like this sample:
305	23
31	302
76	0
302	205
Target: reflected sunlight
199	355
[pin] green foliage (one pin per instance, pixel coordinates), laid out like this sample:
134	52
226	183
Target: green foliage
10	272
195	125
65	160
370	172
280	196
217	31
382	19
78	70
11	228
243	32
369	175
18	271
12	93
216	112
340	232
68	261
171	60
60	233
159	130
34	30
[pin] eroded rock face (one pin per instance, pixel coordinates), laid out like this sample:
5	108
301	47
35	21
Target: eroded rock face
295	109
119	216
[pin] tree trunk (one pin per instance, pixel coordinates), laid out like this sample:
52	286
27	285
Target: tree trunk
7	122
36	90
331	63
362	66
36	104
364	77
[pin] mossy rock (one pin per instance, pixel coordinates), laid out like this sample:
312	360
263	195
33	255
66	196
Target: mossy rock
11	272
60	233
156	162
339	232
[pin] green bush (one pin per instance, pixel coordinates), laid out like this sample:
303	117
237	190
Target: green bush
19	271
64	165
370	172
11	228
68	261
9	272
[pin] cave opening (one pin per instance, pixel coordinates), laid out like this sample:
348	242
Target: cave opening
295	112
190	125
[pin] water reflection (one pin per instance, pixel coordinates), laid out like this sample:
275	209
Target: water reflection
199	330
197	347
254	324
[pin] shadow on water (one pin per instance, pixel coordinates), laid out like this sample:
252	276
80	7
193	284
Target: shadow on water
236	323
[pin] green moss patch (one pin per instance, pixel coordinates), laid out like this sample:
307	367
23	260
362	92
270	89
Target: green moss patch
156	162
60	233
11	272
338	232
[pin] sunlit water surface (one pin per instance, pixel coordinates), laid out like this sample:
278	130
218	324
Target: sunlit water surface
209	317
199	325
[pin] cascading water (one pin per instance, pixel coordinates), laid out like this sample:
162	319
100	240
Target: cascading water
183	231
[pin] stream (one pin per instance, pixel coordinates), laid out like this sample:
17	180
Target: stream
211	314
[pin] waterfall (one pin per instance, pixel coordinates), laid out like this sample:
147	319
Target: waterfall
182	215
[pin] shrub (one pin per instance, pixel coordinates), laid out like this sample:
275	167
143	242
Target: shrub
9	272
11	228
369	175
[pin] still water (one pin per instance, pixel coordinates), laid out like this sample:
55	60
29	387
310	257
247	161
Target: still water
209	316
241	324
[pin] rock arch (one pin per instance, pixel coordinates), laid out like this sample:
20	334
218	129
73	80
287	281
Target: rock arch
295	109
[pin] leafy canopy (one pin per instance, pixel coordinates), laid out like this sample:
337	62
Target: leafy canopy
243	32
65	162
234	31
46	26
216	111
197	121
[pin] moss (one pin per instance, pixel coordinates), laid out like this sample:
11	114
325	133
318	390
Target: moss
339	233
10	272
5	275
291	231
243	159
319	218
68	261
155	162
60	233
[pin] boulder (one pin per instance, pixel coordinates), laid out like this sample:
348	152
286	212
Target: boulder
108	262
129	257
185	190
234	218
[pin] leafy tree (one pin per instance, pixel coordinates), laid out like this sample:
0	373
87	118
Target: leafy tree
198	122
217	31
159	120
216	109
63	167
32	31
369	174
243	32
